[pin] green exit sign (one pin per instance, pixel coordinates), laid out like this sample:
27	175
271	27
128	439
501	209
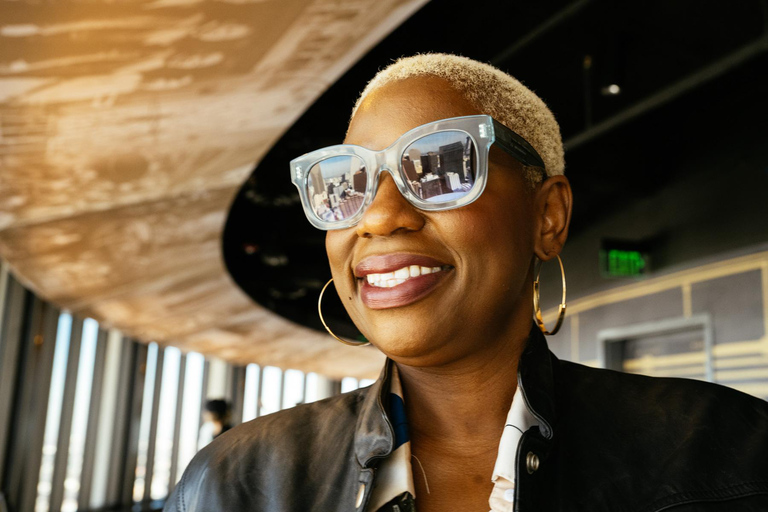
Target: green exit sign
620	259
625	263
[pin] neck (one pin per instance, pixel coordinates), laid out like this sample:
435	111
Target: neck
464	400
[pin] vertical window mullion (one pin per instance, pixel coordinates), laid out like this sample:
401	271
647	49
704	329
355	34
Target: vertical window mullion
238	394
150	372
67	411
177	423
259	392
22	422
165	424
120	426
283	382
190	423
11	340
126	426
204	393
83	390
91	433
152	440
303	396
229	388
42	339
4	282
104	442
133	419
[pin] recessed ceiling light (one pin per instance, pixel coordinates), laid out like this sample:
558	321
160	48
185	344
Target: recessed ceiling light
611	90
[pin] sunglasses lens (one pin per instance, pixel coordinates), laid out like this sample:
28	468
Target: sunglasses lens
336	187
441	166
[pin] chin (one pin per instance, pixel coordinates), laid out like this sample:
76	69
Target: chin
408	344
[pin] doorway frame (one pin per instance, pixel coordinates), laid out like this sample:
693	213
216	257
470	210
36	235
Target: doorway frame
607	339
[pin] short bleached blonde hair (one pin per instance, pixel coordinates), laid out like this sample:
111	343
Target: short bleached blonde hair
493	92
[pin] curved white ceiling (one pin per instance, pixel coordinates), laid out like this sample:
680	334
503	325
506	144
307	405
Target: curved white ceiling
126	128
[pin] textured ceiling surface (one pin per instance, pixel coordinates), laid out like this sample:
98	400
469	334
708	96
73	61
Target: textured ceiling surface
126	129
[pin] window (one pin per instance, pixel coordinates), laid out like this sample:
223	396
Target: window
311	388
53	414
293	394
166	421
146	421
80	417
270	393
348	384
251	395
190	410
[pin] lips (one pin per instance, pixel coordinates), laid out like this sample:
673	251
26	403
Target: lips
396	280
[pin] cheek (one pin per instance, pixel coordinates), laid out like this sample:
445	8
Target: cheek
338	249
493	239
493	227
339	246
508	210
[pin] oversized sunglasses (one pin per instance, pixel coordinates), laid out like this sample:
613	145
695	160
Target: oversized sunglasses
437	166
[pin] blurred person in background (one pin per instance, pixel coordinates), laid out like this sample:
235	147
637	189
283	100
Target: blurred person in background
216	421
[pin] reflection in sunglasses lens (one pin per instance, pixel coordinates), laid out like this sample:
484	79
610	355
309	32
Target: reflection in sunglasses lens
440	167
336	187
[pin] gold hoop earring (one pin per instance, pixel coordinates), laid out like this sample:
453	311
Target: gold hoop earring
537	305
320	312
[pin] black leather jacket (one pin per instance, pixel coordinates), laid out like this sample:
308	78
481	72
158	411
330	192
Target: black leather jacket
607	441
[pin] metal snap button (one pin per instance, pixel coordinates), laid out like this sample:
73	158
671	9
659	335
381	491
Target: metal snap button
360	496
531	462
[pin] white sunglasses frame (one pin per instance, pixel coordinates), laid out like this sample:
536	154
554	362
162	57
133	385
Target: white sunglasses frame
483	130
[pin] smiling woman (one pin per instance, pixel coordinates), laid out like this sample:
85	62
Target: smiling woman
434	261
486	245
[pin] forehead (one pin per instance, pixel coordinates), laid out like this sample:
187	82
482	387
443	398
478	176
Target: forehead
393	109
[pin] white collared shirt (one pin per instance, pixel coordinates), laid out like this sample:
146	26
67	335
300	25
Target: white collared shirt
519	419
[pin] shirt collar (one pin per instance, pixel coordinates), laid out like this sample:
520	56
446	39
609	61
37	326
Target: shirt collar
395	473
519	419
375	436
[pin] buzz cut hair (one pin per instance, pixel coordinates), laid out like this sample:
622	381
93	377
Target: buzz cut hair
493	92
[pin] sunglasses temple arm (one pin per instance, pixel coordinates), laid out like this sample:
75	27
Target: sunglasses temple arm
516	146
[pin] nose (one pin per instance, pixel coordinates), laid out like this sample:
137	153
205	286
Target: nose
389	213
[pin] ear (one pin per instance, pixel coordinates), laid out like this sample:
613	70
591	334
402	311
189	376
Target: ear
553	216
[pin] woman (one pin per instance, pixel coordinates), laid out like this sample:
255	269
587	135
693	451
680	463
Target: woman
471	412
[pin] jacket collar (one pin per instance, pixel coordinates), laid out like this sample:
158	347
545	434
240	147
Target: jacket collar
536	380
374	435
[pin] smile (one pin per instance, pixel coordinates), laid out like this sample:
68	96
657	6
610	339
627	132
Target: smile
400	276
396	280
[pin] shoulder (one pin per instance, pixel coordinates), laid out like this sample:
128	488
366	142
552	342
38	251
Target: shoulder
288	432
250	459
612	394
688	436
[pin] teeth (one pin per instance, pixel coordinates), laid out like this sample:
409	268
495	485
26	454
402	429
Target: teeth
400	276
